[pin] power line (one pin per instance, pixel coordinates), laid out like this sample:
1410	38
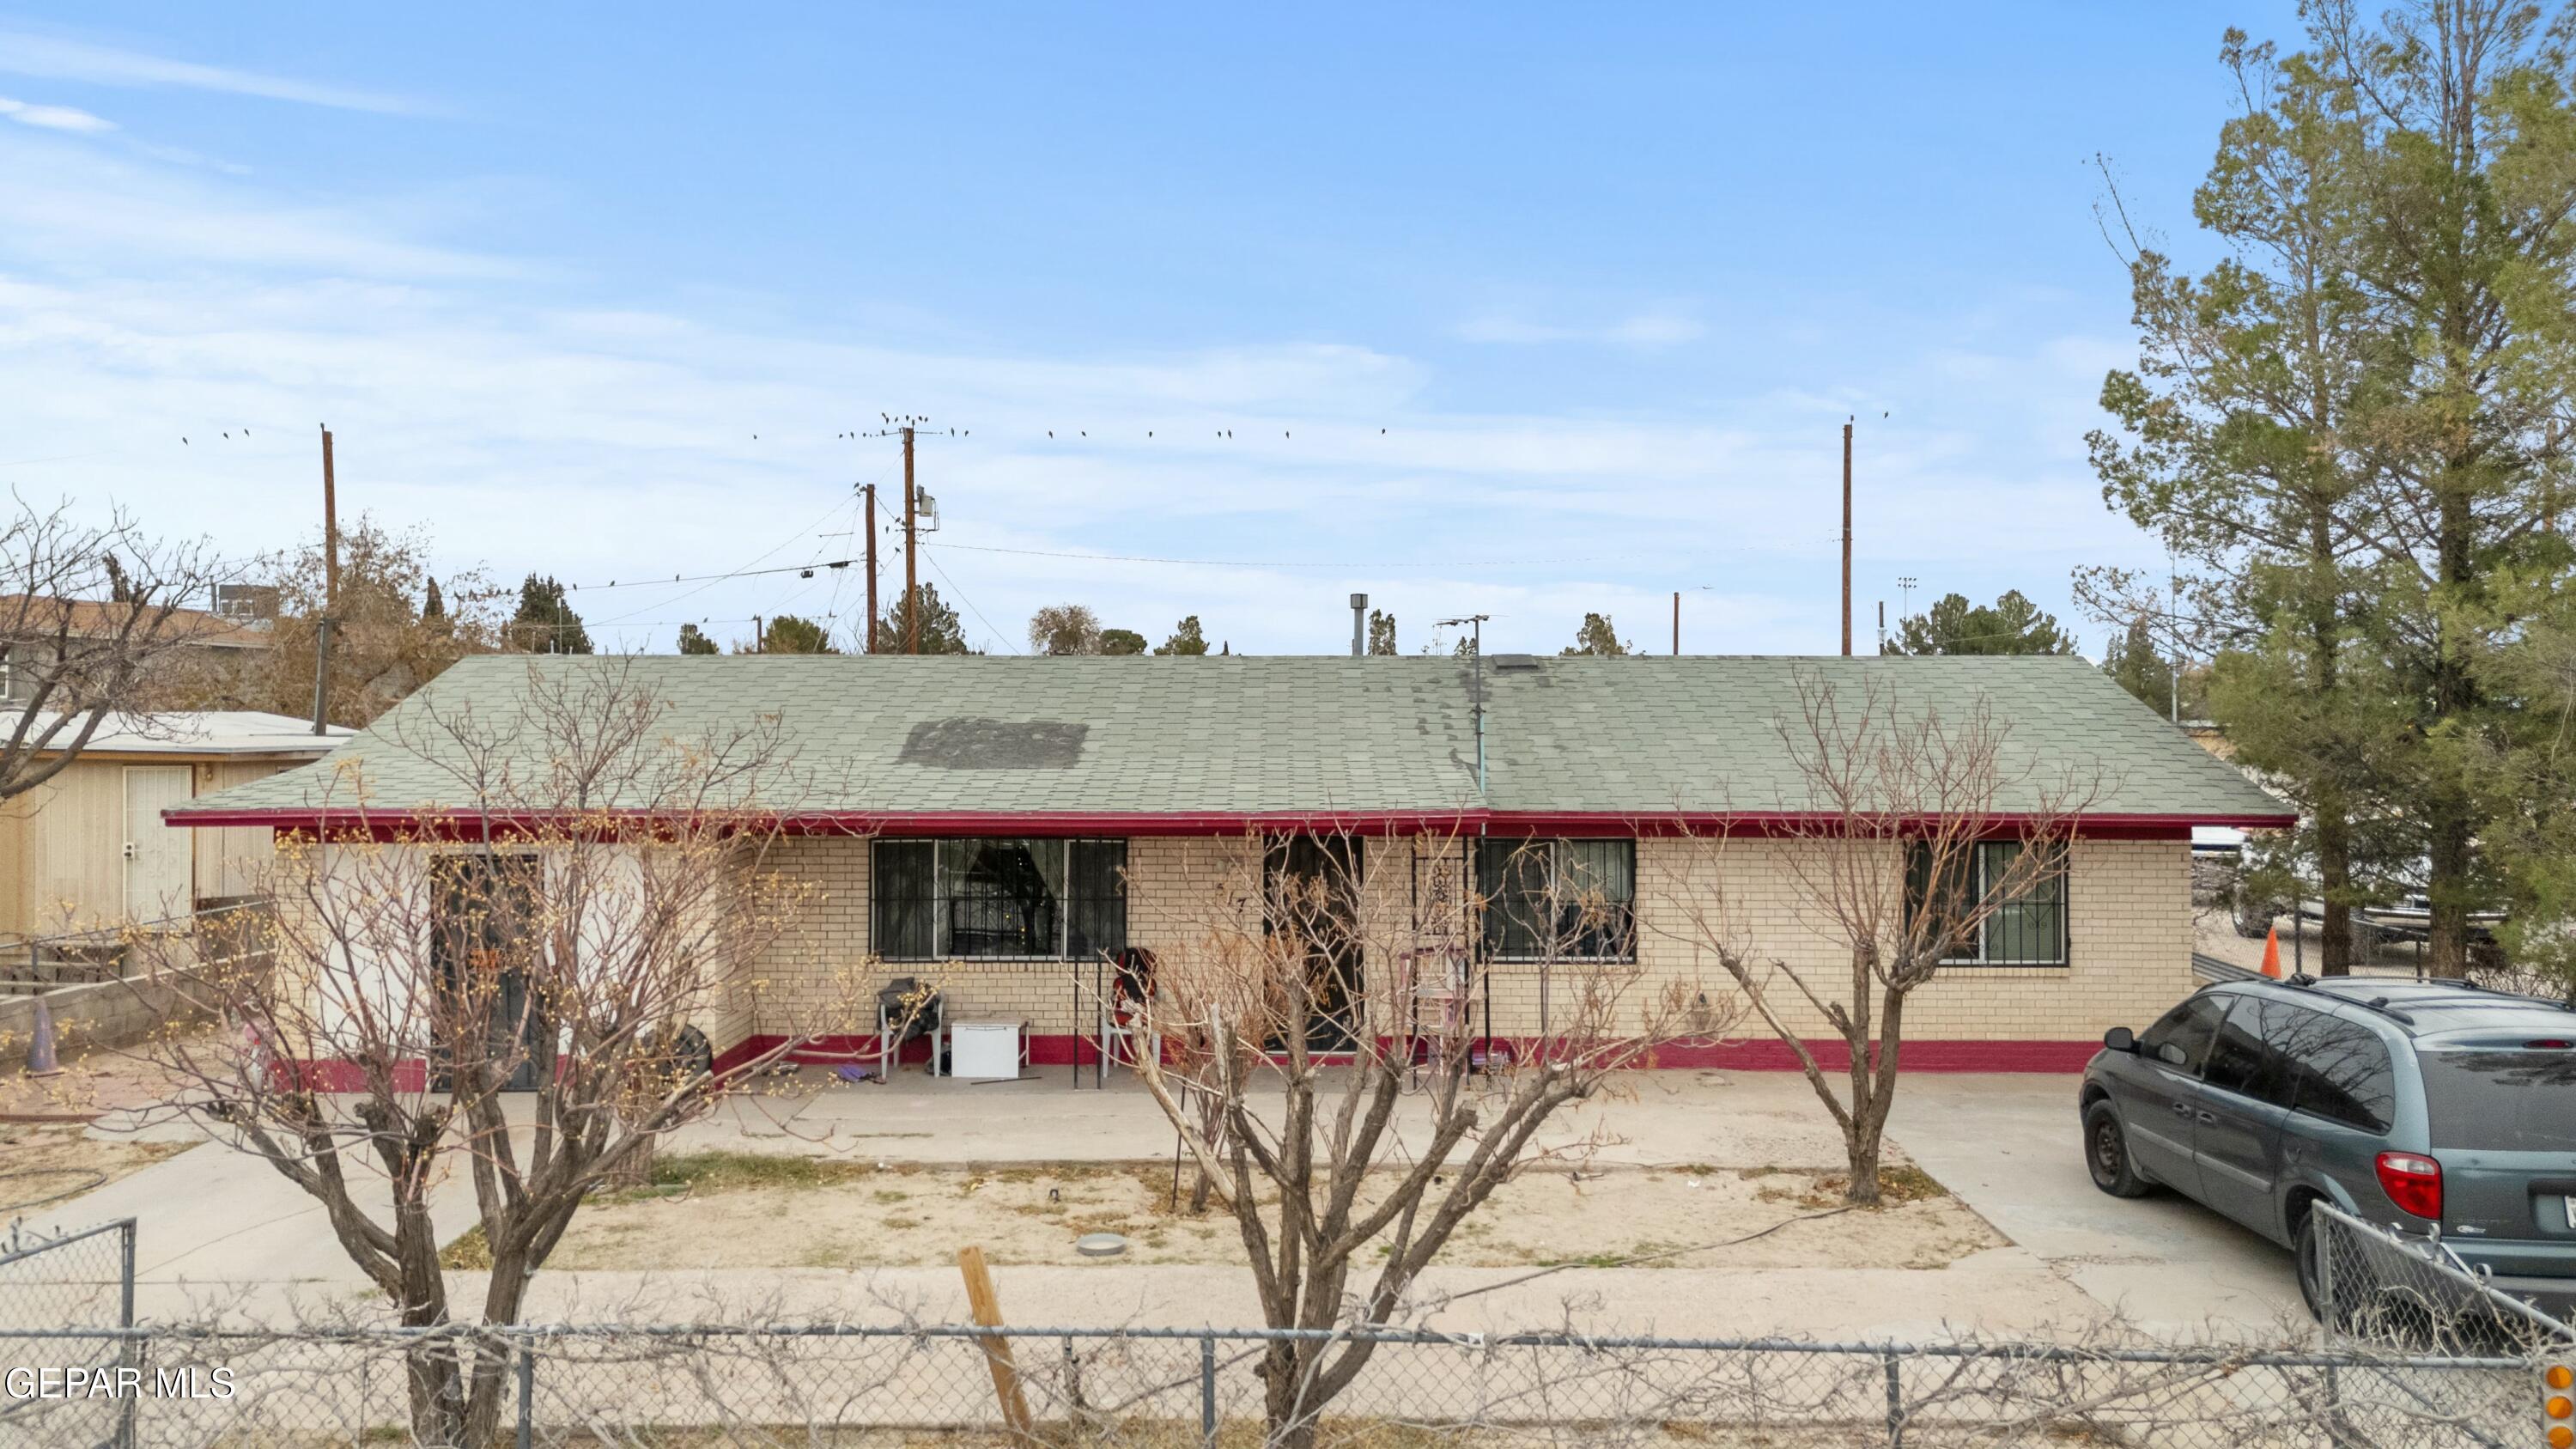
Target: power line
970	608
1241	563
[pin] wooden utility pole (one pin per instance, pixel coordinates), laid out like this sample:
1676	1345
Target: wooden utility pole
986	1306
1677	623
1847	427
911	555
330	592
871	491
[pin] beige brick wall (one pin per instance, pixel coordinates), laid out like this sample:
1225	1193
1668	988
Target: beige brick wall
2129	958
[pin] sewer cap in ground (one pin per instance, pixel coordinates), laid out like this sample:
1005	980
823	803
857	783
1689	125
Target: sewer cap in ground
1100	1245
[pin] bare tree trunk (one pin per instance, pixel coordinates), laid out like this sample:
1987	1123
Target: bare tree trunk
2334	877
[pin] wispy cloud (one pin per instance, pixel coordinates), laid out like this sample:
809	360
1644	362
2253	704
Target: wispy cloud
57	58
1644	329
142	305
53	118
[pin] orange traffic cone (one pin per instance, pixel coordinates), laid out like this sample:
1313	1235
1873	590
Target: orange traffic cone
2272	953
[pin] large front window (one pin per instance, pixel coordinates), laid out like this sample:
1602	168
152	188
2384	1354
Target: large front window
999	898
1558	900
2025	928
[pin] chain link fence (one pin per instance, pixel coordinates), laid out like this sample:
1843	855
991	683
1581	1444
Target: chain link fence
70	1282
2376	1286
691	1387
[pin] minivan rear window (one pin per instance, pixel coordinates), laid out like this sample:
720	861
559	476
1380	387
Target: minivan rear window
2501	1100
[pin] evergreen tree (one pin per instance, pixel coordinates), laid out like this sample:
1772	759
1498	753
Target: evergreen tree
1596	637
1381	632
1121	641
1185	639
941	633
433	604
2133	662
2012	625
2347	431
693	640
545	622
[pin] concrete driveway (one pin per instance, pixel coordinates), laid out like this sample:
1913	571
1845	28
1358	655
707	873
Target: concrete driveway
219	1225
2011	1147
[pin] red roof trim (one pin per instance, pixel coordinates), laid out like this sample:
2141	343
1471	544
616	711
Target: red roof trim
1489	822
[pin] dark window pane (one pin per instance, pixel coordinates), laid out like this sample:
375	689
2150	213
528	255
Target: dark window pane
1511	880
2501	1099
1596	886
901	900
1096	898
1944	901
1003	897
2029	928
2239	1061
2338	1070
2180	1039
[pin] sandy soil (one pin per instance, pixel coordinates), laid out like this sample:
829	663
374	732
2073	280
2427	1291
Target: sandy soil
43	1165
857	1215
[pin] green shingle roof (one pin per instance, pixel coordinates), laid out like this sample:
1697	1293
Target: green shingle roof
894	735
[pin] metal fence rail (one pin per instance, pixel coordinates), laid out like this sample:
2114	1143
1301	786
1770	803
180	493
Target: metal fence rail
839	1385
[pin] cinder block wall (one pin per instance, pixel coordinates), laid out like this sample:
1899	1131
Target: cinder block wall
2130	955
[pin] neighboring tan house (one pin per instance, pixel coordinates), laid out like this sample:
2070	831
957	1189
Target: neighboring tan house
91	847
992	825
199	653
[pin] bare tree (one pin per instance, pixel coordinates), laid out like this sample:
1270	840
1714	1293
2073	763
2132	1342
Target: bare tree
592	894
1901	856
91	616
1064	629
1321	1069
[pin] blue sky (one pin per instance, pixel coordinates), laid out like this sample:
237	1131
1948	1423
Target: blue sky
1520	311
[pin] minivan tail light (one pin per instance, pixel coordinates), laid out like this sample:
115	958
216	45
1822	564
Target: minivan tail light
2413	1182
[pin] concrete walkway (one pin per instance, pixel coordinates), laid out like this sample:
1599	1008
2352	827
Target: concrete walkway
220	1229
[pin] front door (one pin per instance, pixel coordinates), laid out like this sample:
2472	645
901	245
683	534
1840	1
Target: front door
1312	884
481	941
160	878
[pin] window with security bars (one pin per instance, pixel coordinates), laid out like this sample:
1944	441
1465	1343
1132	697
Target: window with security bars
998	898
1558	900
2027	929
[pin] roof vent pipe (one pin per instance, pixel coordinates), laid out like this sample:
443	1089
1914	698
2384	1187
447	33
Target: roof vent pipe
1359	625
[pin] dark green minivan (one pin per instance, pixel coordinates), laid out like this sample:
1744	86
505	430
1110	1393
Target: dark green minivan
2417	1105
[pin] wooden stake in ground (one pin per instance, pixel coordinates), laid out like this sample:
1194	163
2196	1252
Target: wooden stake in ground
986	1305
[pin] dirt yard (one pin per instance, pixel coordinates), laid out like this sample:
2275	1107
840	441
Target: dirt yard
726	1210
45	1164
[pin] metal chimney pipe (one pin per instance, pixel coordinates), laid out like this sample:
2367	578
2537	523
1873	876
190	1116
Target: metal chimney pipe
1359	625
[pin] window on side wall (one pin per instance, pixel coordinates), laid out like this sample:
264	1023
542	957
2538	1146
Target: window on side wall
2027	928
1558	900
998	898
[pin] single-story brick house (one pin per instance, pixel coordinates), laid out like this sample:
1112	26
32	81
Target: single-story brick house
986	824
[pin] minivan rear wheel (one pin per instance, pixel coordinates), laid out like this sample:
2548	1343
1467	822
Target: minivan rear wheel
2106	1152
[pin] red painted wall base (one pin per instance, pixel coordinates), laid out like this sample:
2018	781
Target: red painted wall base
1057	1051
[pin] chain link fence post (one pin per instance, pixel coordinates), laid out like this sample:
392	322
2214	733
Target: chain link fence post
1895	1401
1207	1391
527	1393
130	1353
